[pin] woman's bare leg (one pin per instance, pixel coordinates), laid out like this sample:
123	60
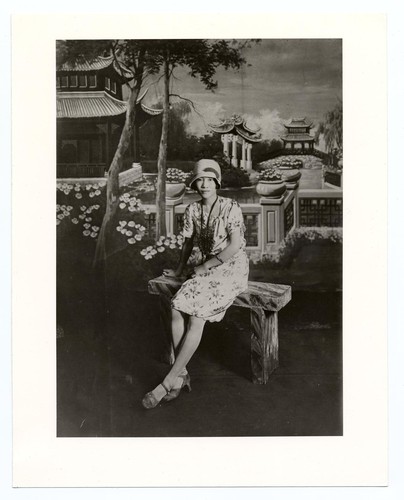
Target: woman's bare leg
177	328
187	348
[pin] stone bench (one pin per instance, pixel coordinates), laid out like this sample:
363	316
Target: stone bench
264	301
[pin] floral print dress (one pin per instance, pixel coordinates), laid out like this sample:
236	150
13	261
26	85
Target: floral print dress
208	296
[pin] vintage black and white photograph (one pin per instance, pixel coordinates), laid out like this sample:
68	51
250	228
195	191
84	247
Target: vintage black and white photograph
199	237
213	287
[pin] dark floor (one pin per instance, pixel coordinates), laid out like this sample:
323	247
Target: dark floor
102	377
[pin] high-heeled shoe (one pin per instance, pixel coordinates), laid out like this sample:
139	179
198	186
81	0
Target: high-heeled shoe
175	391
150	401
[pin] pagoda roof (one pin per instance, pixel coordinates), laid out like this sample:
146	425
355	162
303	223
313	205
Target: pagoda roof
299	122
95	105
237	125
297	137
97	64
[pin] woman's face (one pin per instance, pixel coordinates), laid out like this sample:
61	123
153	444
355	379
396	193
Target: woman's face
206	187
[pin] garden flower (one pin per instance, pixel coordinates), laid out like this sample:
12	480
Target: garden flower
131	223
93	235
123	223
160	249
75	221
91	194
131	241
98	192
138	237
81	216
129	233
122	205
86	232
82	208
60	216
86	225
57	222
66	213
77	188
79	195
88	219
95	228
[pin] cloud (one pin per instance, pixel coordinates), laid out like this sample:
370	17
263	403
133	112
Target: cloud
212	112
269	121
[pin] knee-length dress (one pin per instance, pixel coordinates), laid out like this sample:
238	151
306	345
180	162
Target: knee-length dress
209	295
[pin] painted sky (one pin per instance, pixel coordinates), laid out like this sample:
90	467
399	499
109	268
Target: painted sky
283	79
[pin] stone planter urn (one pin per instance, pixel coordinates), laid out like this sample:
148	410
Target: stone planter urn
175	191
271	189
290	174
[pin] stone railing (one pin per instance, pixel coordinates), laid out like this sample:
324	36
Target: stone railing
270	220
80	170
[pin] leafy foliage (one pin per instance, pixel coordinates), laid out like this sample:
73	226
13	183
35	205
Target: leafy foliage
231	176
331	128
262	150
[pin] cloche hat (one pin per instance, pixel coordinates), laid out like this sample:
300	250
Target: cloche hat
206	168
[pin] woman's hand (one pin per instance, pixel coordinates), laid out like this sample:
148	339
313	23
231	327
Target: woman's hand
172	273
202	269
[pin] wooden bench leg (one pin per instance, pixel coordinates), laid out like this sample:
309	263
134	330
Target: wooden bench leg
264	344
165	315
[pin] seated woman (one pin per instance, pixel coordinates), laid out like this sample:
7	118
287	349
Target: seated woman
215	224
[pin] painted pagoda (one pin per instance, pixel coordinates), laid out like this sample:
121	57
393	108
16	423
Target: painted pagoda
235	132
298	135
90	116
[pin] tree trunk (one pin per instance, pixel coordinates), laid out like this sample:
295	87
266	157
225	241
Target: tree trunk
162	160
101	251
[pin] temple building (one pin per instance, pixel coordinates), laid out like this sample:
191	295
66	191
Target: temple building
298	134
91	114
235	132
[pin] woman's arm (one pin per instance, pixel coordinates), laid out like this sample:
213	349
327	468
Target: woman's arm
186	250
232	248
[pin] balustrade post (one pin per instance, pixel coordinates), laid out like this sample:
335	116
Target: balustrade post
272	224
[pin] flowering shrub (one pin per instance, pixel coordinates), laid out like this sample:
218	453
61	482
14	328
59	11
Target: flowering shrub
75	205
288	163
270	174
163	244
176	175
299	237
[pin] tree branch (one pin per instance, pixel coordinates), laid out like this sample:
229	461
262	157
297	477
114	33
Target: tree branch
191	103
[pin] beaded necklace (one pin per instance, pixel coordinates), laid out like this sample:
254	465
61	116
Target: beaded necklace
206	237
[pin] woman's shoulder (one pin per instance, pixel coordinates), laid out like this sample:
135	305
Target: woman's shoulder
193	206
228	203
